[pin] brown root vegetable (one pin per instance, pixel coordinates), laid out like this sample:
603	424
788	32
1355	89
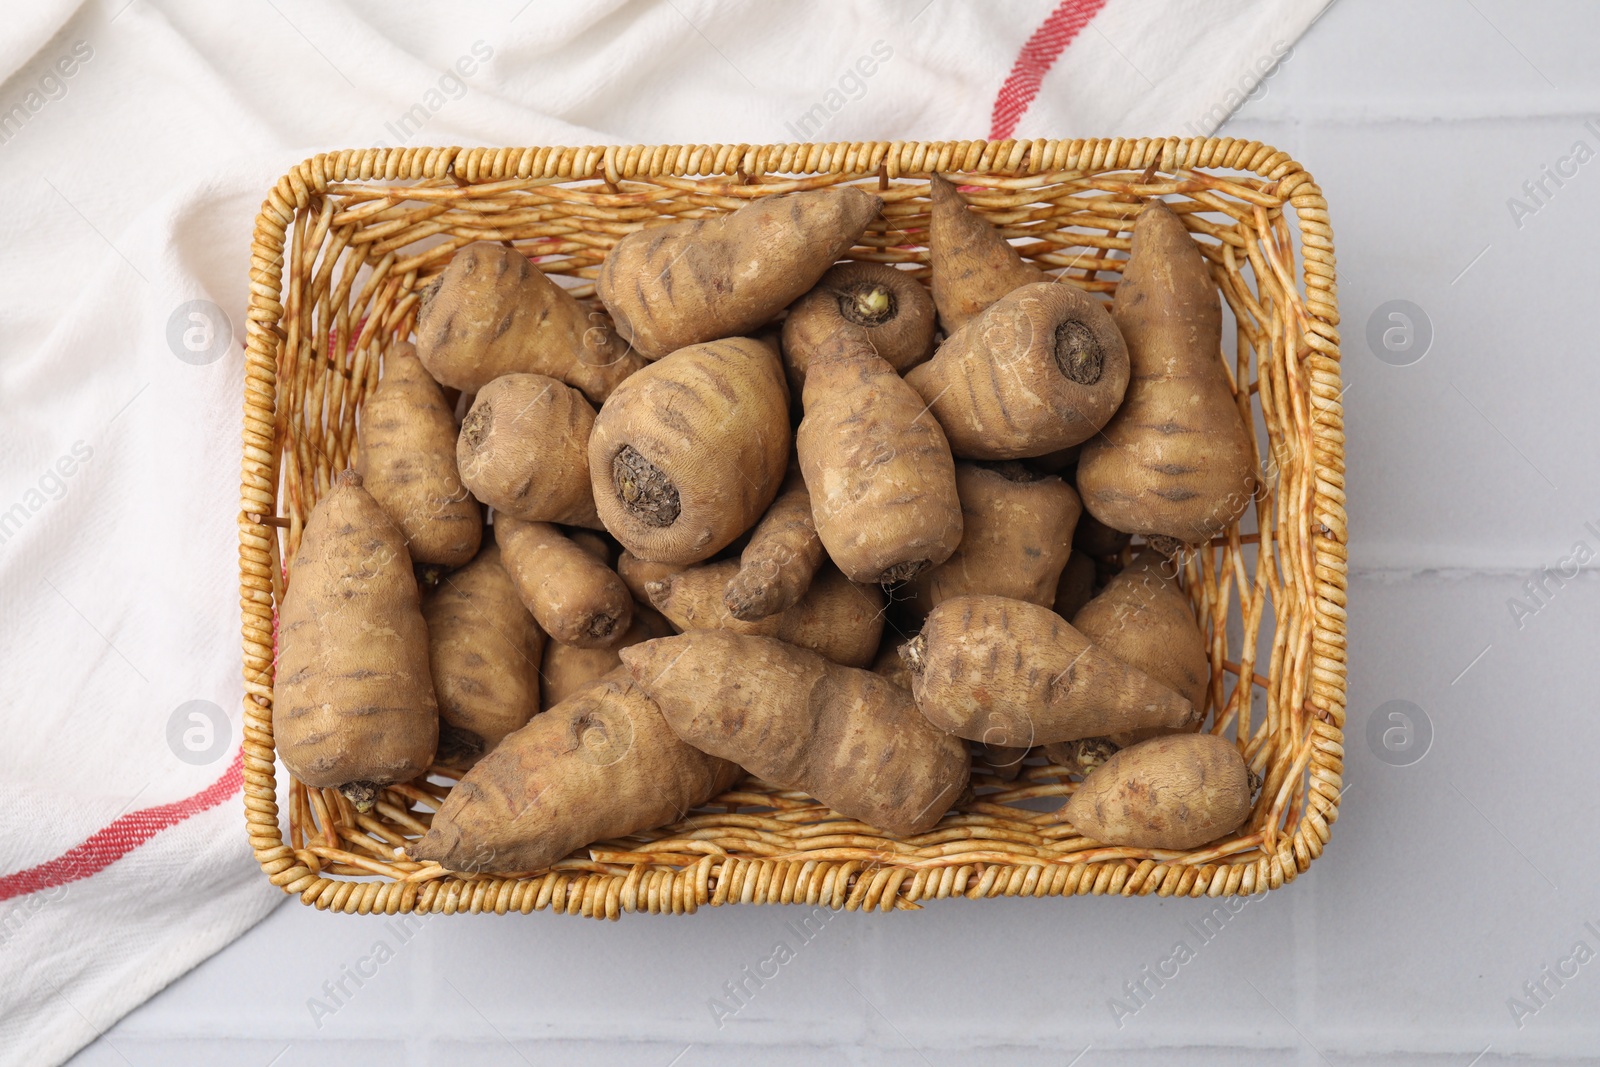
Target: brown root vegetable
1097	539
1006	672
1042	369
884	306
878	467
848	737
352	700
524	450
599	765
484	652
1017	535
837	618
688	453
575	598
568	668
683	283
493	313
1062	461
596	544
1177	461
407	462
637	574
1143	618
972	264
1005	761
1169	792
890	665
1076	587
784	553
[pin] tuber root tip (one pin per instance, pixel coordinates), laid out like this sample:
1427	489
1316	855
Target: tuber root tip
363	795
903	572
914	654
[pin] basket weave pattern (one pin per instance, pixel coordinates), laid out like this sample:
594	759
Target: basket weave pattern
345	241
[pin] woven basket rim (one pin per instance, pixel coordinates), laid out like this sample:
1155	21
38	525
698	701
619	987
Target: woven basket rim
852	884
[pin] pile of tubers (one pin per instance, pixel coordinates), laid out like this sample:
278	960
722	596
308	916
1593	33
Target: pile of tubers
760	510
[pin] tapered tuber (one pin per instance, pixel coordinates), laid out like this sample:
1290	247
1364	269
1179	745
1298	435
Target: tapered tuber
352	702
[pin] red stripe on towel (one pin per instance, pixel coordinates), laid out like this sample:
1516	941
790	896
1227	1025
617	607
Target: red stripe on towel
124	834
1035	61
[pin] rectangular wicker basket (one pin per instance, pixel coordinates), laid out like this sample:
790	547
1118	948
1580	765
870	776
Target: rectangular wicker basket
345	241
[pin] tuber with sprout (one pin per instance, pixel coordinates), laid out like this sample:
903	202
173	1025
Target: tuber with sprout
886	307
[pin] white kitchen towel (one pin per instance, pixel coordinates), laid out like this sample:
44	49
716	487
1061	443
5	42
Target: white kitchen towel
137	139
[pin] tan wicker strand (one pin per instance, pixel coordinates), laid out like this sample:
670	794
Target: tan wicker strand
345	240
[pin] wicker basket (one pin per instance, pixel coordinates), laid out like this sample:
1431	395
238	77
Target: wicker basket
345	241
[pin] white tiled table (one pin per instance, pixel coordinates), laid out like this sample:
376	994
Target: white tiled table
1448	884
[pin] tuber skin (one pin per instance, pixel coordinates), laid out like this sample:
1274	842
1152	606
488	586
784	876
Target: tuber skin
1177	461
601	764
569	669
688	453
972	264
783	556
484	652
407	462
883	306
1005	761
1017	535
848	737
575	598
1006	672
493	313
353	704
637	574
1143	618
878	468
683	283
1076	586
524	450
837	618
1177	792
1095	538
1042	369
890	665
596	544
